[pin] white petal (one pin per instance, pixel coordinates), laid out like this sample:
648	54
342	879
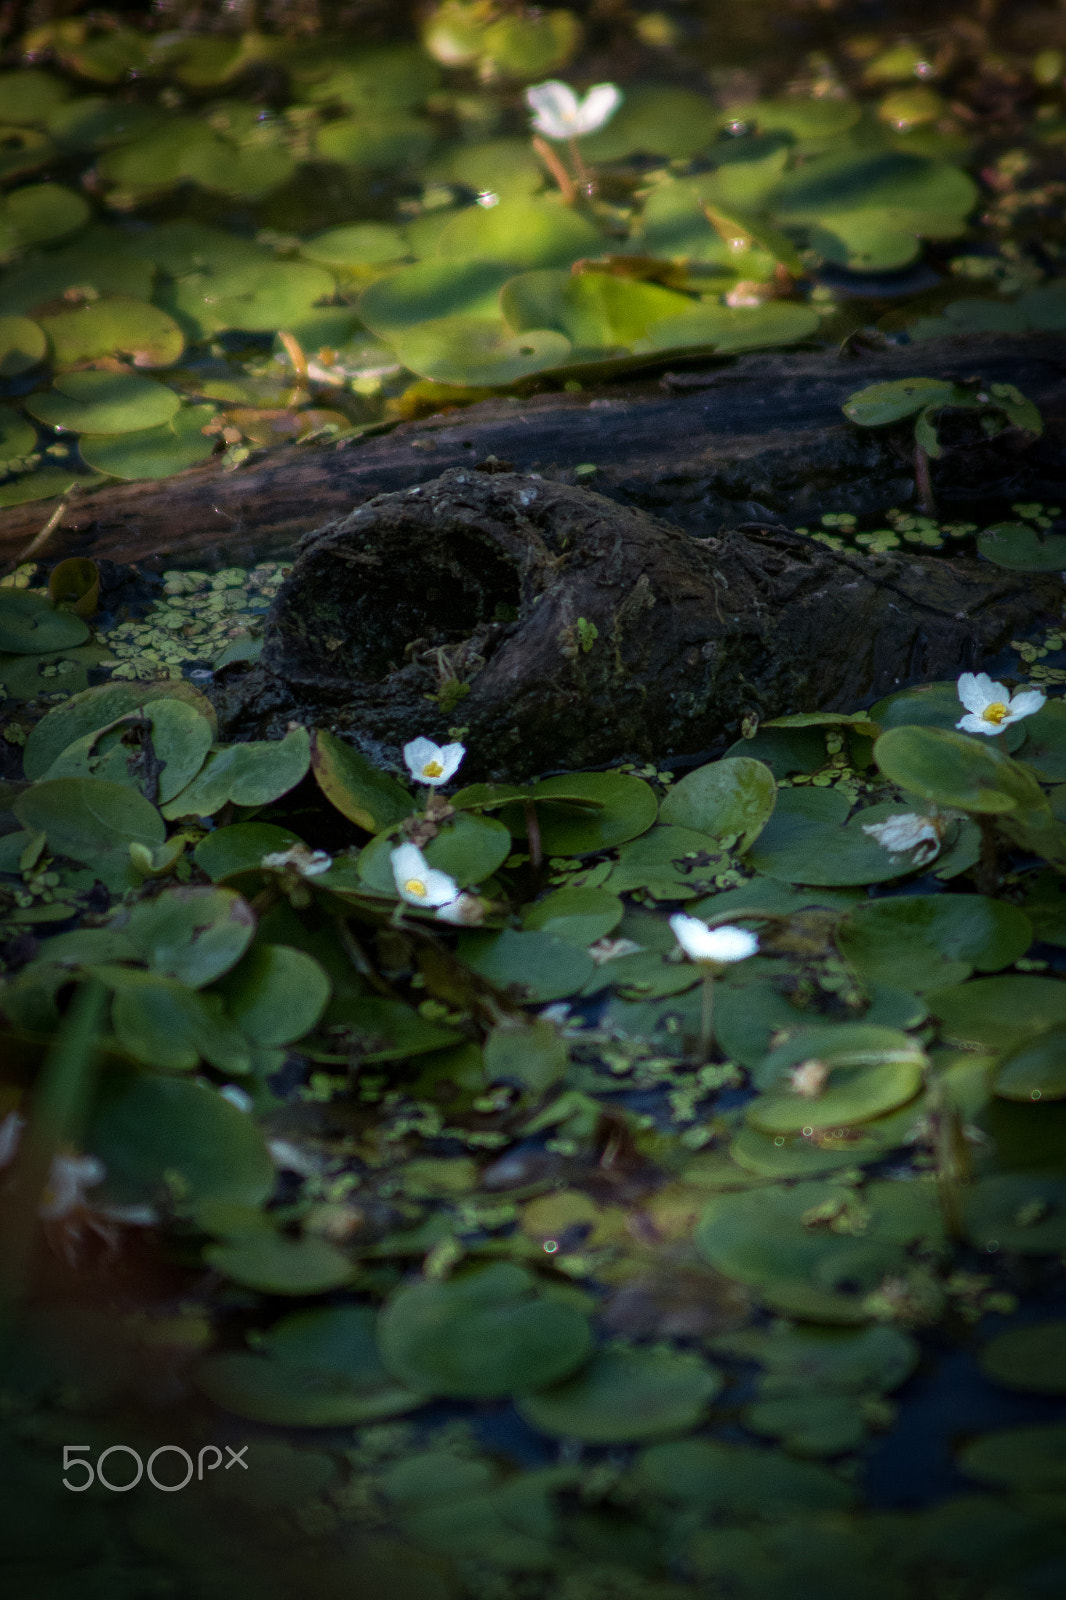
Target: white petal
418	754
465	911
975	724
1025	703
318	861
601	102
450	757
701	943
733	944
409	866
556	108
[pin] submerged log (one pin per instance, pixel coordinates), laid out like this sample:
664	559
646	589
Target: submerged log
558	628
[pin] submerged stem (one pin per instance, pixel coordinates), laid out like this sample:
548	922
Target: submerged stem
706	1039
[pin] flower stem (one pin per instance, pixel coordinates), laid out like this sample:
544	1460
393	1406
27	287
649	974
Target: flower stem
706	1040
567	187
584	177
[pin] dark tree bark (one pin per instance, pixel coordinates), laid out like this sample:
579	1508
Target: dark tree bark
583	630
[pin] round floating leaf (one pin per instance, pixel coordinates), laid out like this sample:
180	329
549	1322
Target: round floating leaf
579	916
190	933
522	233
102	260
1017	1211
360	791
29	96
533	1057
953	769
999	1013
46	484
804	119
882	403
626	1394
593	309
807	840
17	436
22	150
387	78
38	214
96	708
250	774
731	798
314	1369
588	811
149	453
430	291
500	166
1032	1358
797	1156
92	822
180	738
153	1133
104	402
1022	549
481	1334
1045	741
22	345
535	965
240	847
810	1424
468	848
275	994
733	328
1036	1070
478	351
853	1095
888	189
387	1030
928	941
357	244
30	623
673	863
390	140
738	1480
274	1264
655	120
164	1025
934	705
94	122
1029	1460
117	326
256	296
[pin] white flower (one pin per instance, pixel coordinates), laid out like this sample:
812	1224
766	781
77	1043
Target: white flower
559	114
809	1078
466	911
236	1096
417	882
909	832
68	1179
992	707
432	763
710	945
308	863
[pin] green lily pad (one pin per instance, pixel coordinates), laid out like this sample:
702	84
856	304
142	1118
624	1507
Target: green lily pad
275	994
806	120
23	150
253	296
1031	1358
96	708
537	966
430	291
733	798
1022	549
96	261
149	453
797	1156
533	1056
733	328
23	345
626	1394
675	225
810	1424
999	1013
180	739
47	483
155	1134
312	1369
114	326
250	774
954	769
588	811
1036	1070
671	863
1017	1211
579	916
882	403
593	309
738	1480
522	234
499	166
483	1333
29	96
656	120
809	840
1029	1459
929	941
106	55
38	215
390	139
478	351
853	1095
30	624
94	122
385	78
468	848
934	705
356	244
387	1030
190	933
240	847
1045	741
103	402
274	1264
160	1023
27	676
92	822
360	791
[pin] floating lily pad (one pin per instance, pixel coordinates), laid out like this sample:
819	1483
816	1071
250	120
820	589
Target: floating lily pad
1022	549
104	402
999	1013
356	244
92	822
580	916
733	328
38	214
155	1134
797	1155
250	774
1021	1459
481	1334
30	623
478	350
953	769
731	798
1030	1358
389	140
431	291
240	847
737	1480
934	705
162	1024
23	345
810	1424
360	791
535	965
468	848
385	78
1045	741
882	403
47	483
593	309
929	941
180	739
29	96
522	234
149	453
114	326
588	811
1018	1211
275	994
276	1264
94	709
655	120
853	1095
806	119
93	122
500	166
671	863
387	1030
809	840
96	261
255	297
626	1394
312	1369
190	933
533	1056
1036	1070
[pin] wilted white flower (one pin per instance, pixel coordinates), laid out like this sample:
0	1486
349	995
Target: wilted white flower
417	882
68	1180
706	945
432	763
466	911
612	950
809	1078
559	114
909	832
991	706
308	863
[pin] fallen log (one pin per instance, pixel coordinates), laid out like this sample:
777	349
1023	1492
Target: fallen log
558	628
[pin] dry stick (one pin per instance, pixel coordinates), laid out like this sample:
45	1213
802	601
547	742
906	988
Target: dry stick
566	183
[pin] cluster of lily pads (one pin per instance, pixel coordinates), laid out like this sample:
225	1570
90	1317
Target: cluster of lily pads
464	249
348	1022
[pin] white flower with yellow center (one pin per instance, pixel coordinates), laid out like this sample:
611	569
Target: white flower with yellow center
432	763
417	882
559	114
909	832
711	946
991	706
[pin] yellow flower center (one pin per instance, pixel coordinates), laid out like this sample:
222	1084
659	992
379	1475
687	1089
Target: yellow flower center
432	769
994	713
415	886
